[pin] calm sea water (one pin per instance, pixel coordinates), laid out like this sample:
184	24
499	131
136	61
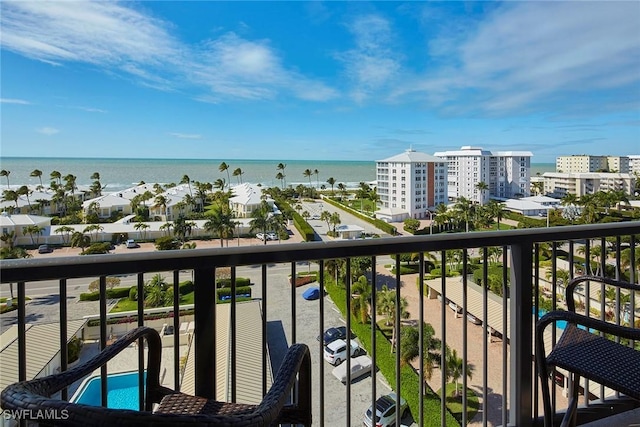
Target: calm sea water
119	174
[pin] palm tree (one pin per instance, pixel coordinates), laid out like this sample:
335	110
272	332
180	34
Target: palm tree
221	223
260	221
410	347
24	191
342	188
238	172
161	201
166	227
280	176
316	172
56	175
335	221
142	228
331	181
67	232
6	174
225	167
281	167
482	187
569	199
186	180
361	296
386	305
10	196
464	208
219	184
495	210
93	227
31	230
455	368
37	173
79	240
307	173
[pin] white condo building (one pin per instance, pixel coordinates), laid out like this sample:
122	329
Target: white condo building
506	173
410	184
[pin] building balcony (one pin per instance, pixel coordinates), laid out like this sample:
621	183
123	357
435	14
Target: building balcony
230	350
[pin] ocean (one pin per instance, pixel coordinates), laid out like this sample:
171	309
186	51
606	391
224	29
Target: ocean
118	174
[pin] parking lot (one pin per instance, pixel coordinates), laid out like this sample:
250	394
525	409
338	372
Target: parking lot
279	332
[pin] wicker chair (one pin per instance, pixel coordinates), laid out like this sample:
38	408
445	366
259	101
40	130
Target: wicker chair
583	353
175	409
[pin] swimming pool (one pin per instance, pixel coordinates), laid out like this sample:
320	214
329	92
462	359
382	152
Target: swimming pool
122	391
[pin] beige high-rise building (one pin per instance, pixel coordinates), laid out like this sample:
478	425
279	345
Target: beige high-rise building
558	184
583	163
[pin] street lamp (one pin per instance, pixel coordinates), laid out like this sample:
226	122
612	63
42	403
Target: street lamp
430	221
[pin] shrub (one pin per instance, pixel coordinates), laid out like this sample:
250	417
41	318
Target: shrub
73	349
186	287
115	293
97	248
411	225
133	293
226	283
300	281
167	243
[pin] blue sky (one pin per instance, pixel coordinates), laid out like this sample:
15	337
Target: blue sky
318	80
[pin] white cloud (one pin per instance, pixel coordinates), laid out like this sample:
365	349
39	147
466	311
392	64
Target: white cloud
14	101
126	40
529	54
48	131
372	63
185	135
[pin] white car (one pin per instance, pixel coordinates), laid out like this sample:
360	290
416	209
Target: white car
272	236
260	236
360	366
335	352
131	244
385	411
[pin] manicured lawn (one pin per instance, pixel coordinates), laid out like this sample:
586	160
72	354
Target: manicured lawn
455	403
125	304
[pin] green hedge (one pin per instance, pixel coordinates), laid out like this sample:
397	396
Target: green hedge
111	293
241	291
378	223
303	227
226	283
385	360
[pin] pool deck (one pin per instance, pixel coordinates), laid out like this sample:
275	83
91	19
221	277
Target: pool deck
127	360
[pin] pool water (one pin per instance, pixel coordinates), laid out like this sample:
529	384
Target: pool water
122	391
559	324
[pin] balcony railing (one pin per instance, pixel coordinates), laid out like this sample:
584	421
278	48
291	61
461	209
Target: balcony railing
514	401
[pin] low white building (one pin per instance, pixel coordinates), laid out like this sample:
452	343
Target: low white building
16	223
348	231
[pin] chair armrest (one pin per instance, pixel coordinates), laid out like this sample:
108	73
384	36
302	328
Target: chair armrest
606	280
296	361
47	386
588	322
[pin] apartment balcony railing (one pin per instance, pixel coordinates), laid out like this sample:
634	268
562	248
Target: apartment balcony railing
516	401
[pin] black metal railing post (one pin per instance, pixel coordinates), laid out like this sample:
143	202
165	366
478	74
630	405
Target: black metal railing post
204	300
520	338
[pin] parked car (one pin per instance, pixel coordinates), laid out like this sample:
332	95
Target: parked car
385	411
360	366
260	236
311	293
272	236
44	249
131	244
333	334
315	216
335	352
